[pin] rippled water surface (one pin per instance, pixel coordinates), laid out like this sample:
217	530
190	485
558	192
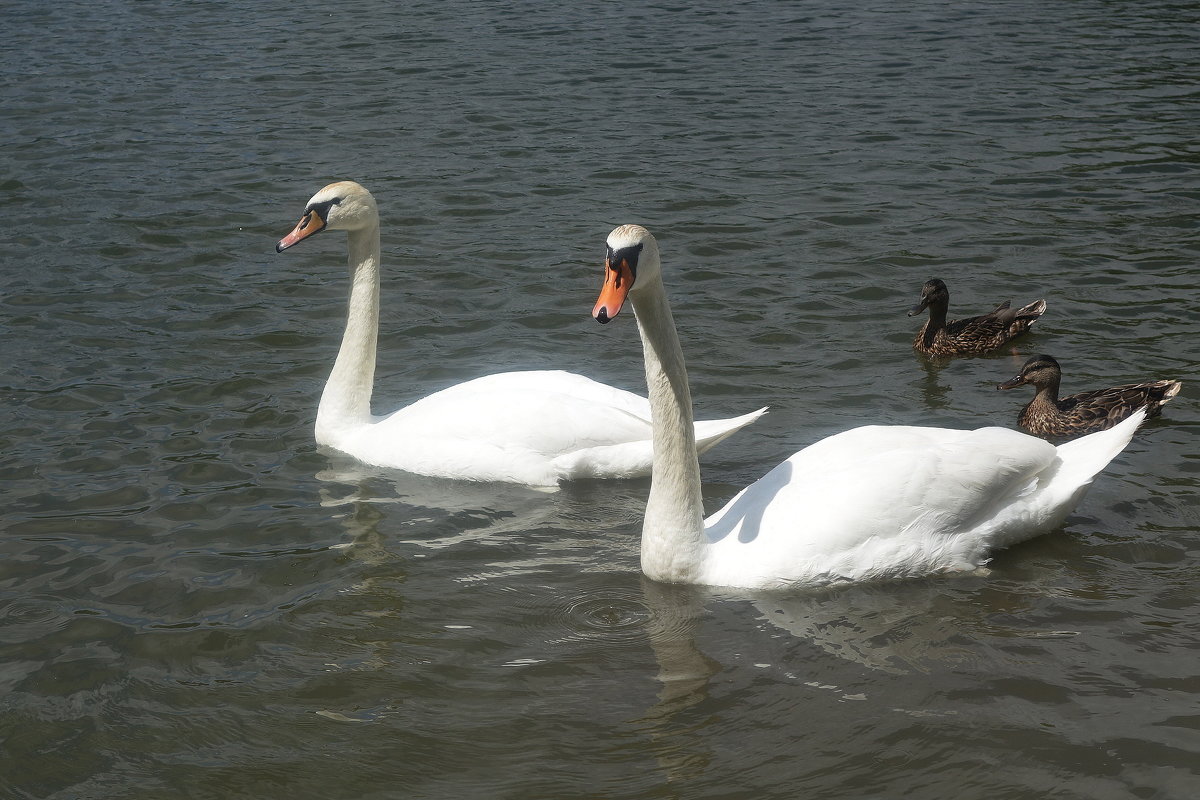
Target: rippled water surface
198	602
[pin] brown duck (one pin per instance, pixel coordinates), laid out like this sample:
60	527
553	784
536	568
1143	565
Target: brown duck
1086	412
970	336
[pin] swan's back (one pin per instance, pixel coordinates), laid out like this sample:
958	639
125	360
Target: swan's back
543	405
504	427
894	501
535	427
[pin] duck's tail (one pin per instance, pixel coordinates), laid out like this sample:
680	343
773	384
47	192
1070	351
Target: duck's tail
1032	311
1165	390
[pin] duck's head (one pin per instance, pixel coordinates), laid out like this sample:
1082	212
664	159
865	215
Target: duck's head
631	261
344	205
1039	371
933	293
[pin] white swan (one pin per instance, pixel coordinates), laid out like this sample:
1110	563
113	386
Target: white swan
534	428
870	503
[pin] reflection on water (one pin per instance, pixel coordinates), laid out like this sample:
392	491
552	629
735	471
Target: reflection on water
895	629
197	601
935	393
684	673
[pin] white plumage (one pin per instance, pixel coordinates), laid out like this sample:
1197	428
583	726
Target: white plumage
876	502
535	428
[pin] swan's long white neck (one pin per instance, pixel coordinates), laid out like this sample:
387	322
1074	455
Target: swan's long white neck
673	540
346	401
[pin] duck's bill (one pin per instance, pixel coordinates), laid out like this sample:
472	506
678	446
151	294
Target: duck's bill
1011	383
311	223
618	280
917	309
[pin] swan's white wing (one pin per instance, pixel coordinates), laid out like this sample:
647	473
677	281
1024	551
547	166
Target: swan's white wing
534	427
558	382
503	427
872	502
547	412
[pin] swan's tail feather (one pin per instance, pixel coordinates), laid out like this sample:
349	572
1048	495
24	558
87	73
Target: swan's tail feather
1046	502
1083	458
635	459
711	432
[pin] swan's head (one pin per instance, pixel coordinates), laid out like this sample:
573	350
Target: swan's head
933	293
1038	371
631	261
344	205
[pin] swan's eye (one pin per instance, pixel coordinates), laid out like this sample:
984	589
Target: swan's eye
321	210
626	255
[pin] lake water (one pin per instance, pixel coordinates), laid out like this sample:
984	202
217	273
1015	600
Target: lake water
197	602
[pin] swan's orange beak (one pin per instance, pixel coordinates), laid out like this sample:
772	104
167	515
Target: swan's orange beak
312	222
618	280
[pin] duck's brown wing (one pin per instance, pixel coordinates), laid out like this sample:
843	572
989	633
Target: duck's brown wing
1102	408
993	329
983	332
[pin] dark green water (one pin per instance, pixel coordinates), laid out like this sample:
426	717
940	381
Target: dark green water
196	602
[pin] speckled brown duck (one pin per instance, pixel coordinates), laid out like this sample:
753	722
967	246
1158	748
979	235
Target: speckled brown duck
1086	412
970	336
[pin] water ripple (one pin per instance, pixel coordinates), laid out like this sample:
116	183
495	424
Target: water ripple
197	600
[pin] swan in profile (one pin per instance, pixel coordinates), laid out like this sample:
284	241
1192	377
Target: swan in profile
535	428
877	502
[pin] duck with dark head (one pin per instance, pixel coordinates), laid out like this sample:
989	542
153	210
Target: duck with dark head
1100	409
970	336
